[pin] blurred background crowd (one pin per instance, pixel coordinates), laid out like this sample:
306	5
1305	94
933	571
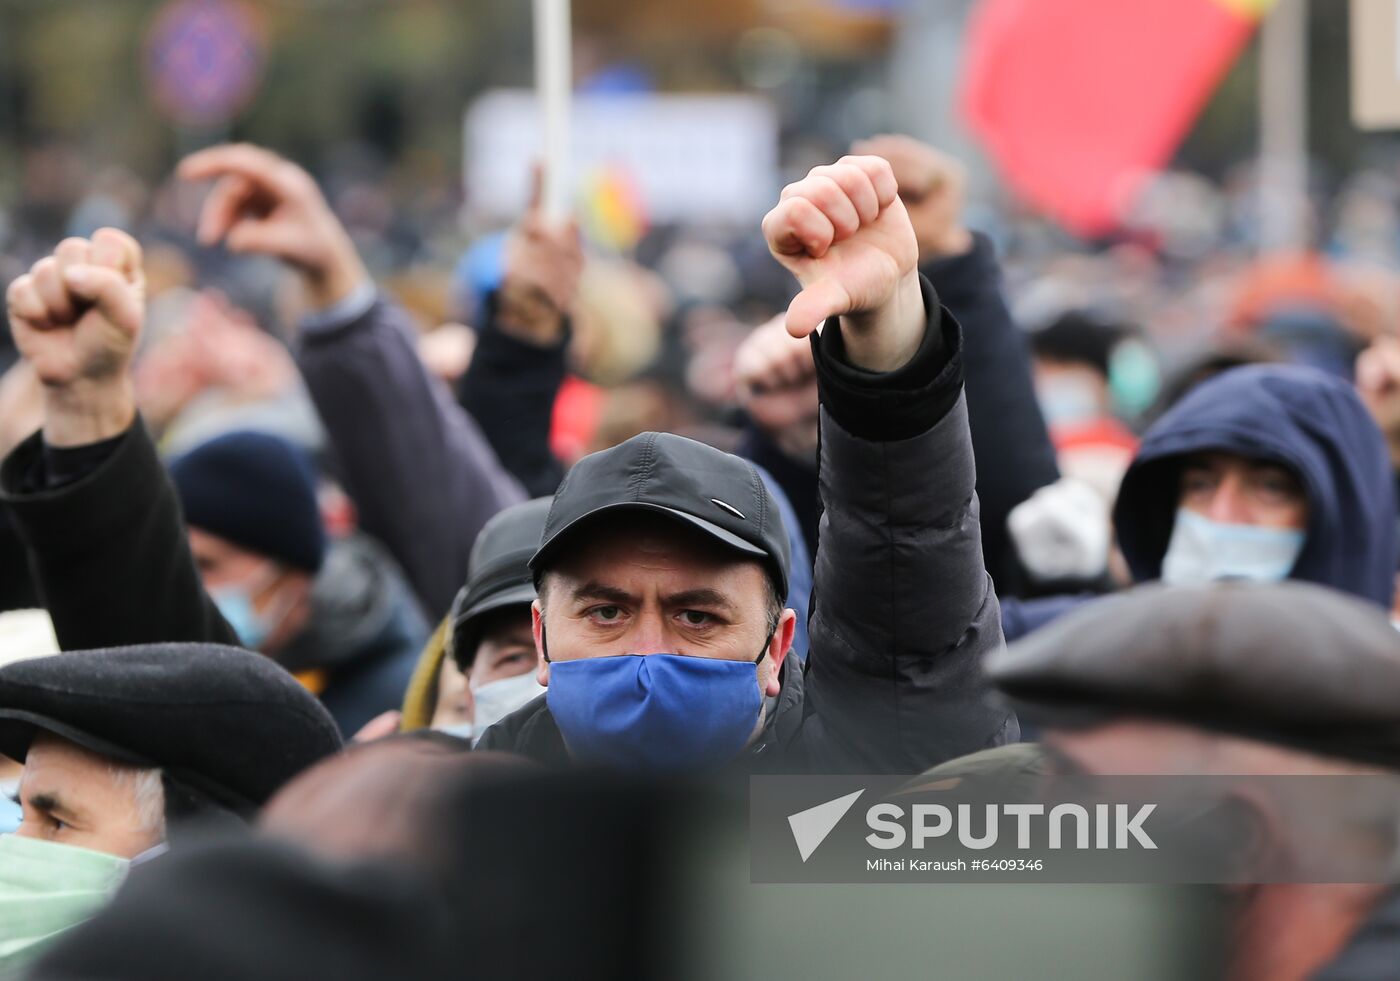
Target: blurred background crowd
395	107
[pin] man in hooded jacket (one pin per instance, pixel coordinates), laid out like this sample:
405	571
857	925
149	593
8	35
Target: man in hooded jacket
1312	430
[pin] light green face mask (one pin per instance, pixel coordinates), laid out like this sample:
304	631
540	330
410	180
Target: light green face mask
45	888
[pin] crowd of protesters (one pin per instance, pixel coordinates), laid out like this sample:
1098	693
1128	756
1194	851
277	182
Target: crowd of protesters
376	569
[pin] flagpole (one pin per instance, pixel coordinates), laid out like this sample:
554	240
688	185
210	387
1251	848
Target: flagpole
1283	128
553	88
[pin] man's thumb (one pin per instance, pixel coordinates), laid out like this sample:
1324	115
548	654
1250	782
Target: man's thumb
111	292
810	308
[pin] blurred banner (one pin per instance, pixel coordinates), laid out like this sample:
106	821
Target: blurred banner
707	160
1375	64
1078	101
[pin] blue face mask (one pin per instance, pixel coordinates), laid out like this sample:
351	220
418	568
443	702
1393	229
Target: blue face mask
654	712
236	605
1202	550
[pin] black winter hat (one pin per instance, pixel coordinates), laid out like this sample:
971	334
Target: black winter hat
499	572
228	723
256	490
716	493
1288	663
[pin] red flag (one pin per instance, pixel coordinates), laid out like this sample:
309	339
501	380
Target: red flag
1079	100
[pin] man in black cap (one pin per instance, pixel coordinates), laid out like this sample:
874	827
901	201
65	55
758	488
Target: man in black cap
660	629
483	666
660	622
120	747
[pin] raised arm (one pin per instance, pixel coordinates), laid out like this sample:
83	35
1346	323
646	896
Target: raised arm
1014	454
420	472
87	493
904	610
520	359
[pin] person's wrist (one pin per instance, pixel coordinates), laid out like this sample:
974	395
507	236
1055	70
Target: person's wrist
88	411
528	315
887	339
334	279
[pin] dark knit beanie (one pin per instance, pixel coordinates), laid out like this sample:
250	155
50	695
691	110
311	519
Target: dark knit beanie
257	491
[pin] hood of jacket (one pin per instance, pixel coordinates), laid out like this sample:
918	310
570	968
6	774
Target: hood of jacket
361	608
1303	419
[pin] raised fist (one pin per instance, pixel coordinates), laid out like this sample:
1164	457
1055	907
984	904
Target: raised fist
776	381
844	233
76	317
264	205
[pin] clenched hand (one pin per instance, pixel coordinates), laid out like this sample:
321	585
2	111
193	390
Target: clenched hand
76	317
843	232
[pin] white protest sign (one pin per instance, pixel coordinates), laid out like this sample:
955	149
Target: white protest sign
700	159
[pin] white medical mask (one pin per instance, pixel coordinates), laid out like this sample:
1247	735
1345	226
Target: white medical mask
1202	551
497	699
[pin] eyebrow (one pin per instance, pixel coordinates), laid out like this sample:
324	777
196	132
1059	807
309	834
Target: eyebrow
689	597
600	591
700	597
51	804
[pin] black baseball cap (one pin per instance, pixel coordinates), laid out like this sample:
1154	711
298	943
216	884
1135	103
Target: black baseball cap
499	573
716	493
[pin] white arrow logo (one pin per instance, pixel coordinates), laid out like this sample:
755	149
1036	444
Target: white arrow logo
810	827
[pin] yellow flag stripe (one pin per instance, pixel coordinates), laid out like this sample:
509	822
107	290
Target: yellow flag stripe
1247	8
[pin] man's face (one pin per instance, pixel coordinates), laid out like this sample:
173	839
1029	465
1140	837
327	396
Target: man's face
276	592
75	797
507	647
1234	489
506	650
647	586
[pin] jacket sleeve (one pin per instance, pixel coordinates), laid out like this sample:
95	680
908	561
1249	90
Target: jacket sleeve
509	389
904	611
1014	454
422	476
108	550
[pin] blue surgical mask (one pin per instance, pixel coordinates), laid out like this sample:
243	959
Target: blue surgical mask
1202	550
235	603
655	712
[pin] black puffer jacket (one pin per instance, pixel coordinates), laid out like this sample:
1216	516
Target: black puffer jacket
903	611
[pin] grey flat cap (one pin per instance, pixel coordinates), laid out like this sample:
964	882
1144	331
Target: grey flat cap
1289	663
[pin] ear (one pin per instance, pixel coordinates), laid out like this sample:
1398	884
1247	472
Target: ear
1245	833
537	631
778	646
